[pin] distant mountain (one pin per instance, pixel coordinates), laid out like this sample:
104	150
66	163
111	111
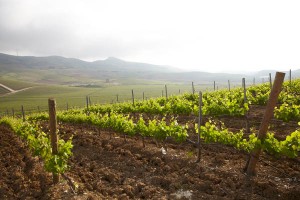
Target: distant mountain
40	62
60	70
110	64
116	64
72	71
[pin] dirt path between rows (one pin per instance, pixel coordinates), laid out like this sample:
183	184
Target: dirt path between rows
22	175
106	166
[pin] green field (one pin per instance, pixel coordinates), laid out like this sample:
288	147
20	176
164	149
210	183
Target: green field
15	84
36	97
3	90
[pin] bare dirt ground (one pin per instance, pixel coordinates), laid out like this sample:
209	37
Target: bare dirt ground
112	168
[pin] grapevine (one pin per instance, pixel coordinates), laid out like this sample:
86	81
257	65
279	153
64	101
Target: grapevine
40	144
210	132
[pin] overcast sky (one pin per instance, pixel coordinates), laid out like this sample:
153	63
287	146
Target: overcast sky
211	35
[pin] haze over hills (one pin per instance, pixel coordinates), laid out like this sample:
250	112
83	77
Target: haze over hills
72	71
51	62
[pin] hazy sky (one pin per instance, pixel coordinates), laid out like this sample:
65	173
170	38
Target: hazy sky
211	35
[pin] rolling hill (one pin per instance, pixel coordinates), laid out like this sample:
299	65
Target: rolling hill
75	72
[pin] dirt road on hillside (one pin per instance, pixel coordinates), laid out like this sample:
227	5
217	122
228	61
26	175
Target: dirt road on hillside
12	91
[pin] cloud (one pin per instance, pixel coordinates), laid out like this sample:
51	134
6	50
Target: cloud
78	31
204	35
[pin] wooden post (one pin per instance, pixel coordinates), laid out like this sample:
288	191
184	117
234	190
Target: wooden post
166	89
90	103
246	101
228	85
214	85
53	133
23	113
143	96
270	79
117	98
290	77
87	102
279	78
199	128
193	88
87	105
244	87
162	93
254	81
179	91
132	94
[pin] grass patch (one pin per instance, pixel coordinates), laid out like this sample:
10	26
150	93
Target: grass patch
3	90
15	84
37	97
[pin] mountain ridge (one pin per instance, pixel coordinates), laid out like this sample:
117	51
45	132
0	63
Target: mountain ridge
61	70
59	61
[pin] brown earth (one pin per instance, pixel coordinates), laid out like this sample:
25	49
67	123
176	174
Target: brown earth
106	166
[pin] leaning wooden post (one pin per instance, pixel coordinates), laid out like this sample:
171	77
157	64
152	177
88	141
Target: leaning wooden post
53	133
228	85
265	121
23	113
199	127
